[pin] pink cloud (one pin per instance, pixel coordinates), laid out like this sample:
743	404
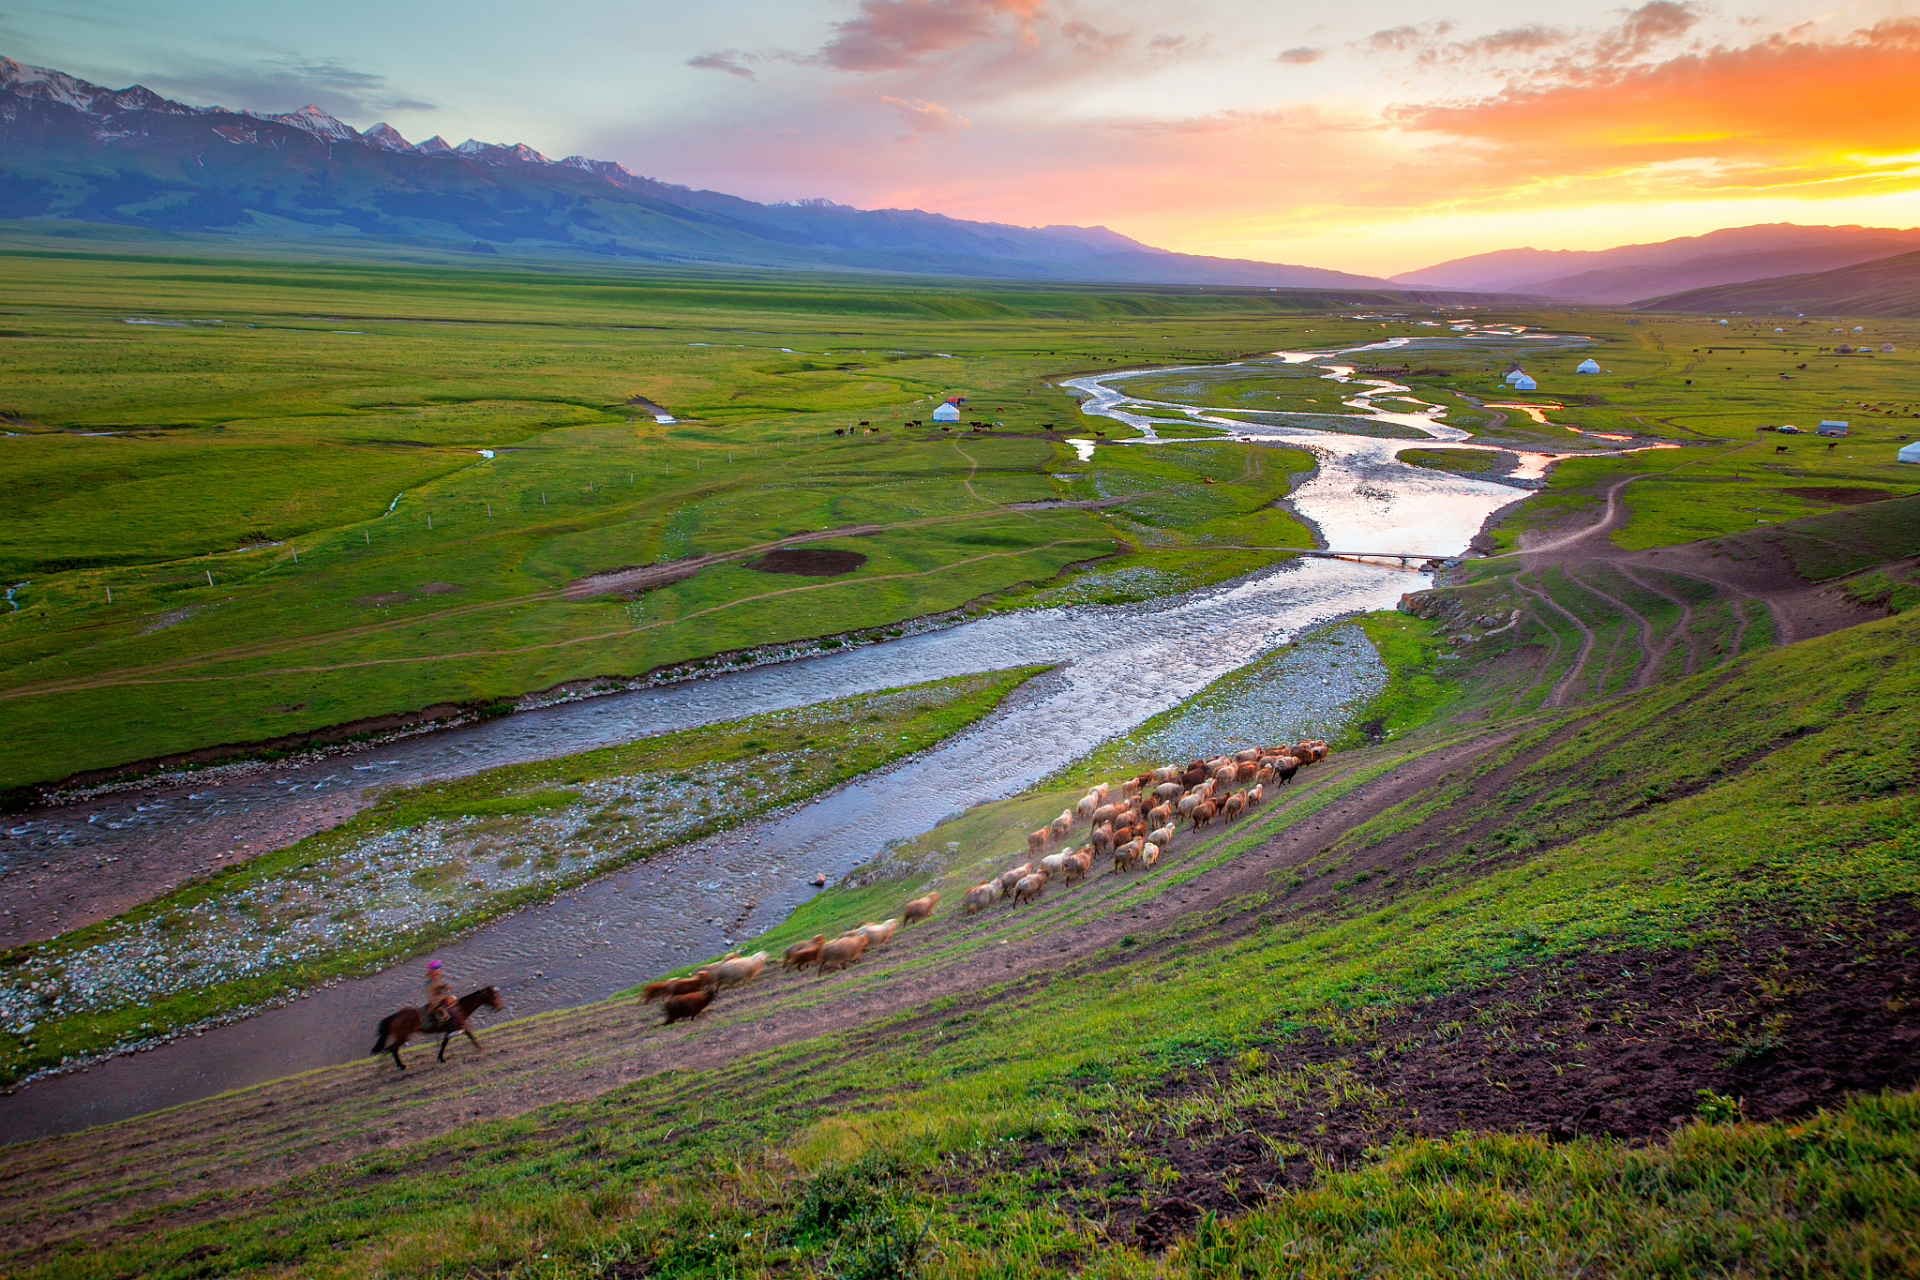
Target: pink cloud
927	117
892	35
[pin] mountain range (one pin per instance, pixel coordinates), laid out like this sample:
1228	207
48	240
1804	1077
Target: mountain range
1883	287
1632	272
75	150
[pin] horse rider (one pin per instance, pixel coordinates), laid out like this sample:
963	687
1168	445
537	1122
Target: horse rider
440	998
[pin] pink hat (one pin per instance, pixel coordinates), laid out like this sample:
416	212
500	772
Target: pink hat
433	964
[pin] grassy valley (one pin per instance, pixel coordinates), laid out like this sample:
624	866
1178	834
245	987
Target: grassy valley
1590	949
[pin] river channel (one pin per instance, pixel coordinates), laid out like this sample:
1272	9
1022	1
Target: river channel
1118	665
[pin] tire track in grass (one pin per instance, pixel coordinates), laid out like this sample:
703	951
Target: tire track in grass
1679	633
1643	673
1557	696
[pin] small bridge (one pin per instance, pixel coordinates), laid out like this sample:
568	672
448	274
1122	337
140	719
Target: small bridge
1408	560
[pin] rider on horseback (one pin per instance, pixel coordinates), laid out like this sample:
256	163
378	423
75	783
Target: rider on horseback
440	998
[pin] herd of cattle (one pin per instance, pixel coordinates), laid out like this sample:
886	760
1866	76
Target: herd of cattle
1132	829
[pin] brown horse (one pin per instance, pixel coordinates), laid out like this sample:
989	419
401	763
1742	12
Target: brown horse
398	1028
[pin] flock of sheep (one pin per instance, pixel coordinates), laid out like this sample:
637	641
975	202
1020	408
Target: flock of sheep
1133	830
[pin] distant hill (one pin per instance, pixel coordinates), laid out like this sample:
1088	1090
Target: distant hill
1632	271
1883	287
74	150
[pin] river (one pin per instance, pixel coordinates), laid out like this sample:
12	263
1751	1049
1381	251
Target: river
1119	665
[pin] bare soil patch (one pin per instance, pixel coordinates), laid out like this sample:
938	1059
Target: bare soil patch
1845	497
440	588
1785	1017
810	562
374	600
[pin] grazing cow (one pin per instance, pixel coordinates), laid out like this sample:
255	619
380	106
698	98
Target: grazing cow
1162	837
981	896
675	987
919	909
878	935
1029	889
687	1005
1060	826
802	954
842	952
1102	838
1012	876
739	971
1203	814
1037	840
1234	805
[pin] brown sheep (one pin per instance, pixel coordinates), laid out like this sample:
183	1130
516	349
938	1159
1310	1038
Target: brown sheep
1232	808
1203	814
1029	889
1052	863
1195	775
1188	803
688	1004
1245	770
739	971
1168	791
1149	854
1129	787
1251	753
1105	813
1264	775
1288	767
1161	815
1012	876
878	935
1127	855
981	896
802	954
1060	826
1254	796
1101	838
1224	775
1078	865
1037	840
842	952
919	909
675	987
1162	837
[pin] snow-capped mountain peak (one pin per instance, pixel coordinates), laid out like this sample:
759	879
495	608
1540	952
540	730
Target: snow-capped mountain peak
385	136
316	122
83	96
435	146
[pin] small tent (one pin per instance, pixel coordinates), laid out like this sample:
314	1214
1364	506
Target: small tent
1588	365
947	413
1887	347
1524	383
1831	427
1908	453
1515	374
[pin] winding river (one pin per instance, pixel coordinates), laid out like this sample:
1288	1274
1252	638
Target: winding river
695	899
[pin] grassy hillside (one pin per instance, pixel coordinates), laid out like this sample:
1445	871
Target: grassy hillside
1625	981
1882	287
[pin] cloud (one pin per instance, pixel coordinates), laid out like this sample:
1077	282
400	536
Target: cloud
727	60
1300	55
892	35
287	83
1514	40
1404	37
1091	41
927	117
1781	113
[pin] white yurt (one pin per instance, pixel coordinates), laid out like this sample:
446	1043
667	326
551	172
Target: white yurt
1908	453
947	413
1588	365
1524	383
1515	374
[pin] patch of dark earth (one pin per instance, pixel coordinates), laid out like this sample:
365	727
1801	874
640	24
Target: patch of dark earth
811	562
1841	497
1783	1015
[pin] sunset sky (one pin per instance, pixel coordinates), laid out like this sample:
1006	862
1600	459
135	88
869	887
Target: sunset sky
1372	137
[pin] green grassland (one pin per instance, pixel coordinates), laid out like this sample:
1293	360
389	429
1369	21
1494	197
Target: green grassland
431	862
1646	821
297	529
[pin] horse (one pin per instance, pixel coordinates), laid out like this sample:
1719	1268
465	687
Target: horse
398	1028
